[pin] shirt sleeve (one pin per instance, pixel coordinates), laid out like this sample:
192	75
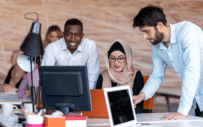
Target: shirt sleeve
190	40
157	76
22	88
48	57
93	65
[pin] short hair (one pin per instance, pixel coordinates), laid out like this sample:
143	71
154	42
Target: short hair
73	22
149	16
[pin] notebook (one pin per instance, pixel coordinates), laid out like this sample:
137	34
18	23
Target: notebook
99	109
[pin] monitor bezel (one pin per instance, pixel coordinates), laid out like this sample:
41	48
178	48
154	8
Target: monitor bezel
84	70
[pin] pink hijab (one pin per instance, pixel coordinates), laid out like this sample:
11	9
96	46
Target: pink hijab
124	77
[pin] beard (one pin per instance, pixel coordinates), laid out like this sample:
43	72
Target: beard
158	37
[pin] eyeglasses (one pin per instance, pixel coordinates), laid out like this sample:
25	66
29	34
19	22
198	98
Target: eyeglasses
120	60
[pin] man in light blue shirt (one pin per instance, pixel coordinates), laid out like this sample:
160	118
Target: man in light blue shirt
181	47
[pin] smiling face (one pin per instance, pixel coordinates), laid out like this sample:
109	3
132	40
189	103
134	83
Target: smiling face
152	34
117	61
73	36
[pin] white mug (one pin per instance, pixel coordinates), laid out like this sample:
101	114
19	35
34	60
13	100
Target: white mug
34	120
7	109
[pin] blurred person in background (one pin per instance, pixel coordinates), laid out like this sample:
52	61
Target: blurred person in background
14	76
53	33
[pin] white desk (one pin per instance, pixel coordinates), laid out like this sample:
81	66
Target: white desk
153	119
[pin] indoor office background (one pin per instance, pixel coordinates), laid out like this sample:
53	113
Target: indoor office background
104	21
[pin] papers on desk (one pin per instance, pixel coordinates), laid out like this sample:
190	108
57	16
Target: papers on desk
8	96
156	118
8	121
11	97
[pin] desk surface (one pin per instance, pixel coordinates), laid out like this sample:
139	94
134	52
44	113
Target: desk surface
154	119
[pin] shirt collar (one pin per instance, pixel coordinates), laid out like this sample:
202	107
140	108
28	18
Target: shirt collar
172	37
64	45
80	46
173	34
161	46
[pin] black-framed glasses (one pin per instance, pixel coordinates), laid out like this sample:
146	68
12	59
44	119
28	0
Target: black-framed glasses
120	60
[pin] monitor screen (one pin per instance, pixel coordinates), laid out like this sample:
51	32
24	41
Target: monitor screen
65	87
120	105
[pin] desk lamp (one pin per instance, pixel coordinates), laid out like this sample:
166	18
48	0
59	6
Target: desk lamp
32	48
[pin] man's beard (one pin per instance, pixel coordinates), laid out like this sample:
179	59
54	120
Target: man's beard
158	37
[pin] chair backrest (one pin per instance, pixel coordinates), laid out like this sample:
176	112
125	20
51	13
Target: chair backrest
148	104
99	109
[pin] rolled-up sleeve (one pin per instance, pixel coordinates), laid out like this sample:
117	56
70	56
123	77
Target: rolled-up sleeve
93	65
157	76
22	88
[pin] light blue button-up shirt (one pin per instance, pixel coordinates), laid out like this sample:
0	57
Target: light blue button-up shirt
185	55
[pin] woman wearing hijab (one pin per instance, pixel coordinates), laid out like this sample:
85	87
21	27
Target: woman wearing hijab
120	71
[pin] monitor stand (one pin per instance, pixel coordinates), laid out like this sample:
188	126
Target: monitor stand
65	108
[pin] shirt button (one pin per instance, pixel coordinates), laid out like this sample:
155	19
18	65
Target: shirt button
177	72
172	61
195	95
169	51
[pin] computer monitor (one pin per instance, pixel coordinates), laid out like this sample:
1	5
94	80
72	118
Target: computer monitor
65	88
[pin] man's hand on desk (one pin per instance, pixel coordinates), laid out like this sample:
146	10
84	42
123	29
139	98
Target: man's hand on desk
138	98
174	115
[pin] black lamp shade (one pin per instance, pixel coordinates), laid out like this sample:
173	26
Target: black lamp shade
32	44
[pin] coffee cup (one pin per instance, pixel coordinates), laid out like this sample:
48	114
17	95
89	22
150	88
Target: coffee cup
7	109
34	121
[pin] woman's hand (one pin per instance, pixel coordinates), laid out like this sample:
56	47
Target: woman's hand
2	88
8	88
27	92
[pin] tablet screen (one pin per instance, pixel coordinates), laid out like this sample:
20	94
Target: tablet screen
121	108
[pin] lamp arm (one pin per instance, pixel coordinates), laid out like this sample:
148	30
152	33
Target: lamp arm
32	89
